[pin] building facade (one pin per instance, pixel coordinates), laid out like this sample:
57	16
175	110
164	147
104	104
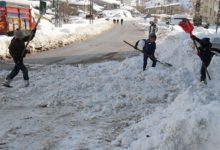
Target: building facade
169	9
208	9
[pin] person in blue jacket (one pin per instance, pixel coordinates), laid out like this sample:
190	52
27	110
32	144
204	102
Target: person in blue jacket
149	48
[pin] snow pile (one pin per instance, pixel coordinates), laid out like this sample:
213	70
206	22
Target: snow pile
114	105
190	122
191	119
48	36
117	13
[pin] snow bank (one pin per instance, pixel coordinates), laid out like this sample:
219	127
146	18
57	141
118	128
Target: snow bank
48	36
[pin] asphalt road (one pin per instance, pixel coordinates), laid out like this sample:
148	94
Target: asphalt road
104	47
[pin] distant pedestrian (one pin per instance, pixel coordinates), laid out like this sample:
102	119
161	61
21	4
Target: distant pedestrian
117	21
17	51
122	21
153	28
149	47
114	21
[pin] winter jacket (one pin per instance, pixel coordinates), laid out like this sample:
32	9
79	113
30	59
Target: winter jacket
149	48
17	46
153	29
205	48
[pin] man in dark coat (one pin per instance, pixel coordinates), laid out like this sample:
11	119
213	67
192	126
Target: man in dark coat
149	47
205	53
153	28
122	21
17	51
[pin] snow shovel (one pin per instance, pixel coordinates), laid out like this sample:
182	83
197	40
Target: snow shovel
188	28
164	63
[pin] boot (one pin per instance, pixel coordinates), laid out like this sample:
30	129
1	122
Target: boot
202	79
26	83
7	83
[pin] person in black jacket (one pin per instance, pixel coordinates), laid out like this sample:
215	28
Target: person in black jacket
17	51
153	28
205	53
122	21
149	47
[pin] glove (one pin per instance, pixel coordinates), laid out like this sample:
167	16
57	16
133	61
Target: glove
34	31
152	56
200	54
25	52
193	37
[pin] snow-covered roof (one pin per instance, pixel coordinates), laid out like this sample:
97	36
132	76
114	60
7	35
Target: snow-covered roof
37	3
111	1
117	13
79	2
19	2
173	4
126	7
97	7
159	3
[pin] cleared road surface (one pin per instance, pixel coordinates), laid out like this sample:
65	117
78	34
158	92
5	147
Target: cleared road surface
106	46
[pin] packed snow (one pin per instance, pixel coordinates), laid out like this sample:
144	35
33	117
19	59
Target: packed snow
114	105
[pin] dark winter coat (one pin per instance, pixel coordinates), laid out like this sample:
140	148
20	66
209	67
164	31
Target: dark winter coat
153	28
149	48
205	49
17	46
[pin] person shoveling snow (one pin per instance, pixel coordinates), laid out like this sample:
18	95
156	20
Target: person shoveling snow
17	50
204	50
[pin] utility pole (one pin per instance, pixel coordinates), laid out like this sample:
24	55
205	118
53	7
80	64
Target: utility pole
91	11
57	13
197	20
218	17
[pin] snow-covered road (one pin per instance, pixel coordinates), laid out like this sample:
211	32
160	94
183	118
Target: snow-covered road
114	105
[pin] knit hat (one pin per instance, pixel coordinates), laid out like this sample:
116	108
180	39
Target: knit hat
18	34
